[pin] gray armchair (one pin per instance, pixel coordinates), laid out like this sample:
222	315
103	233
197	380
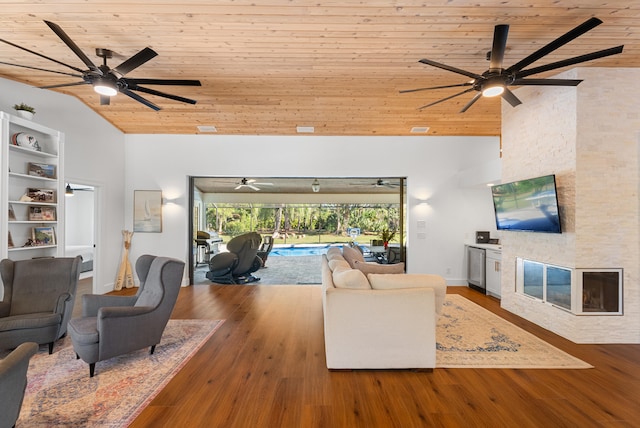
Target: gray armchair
38	300
116	325
13	382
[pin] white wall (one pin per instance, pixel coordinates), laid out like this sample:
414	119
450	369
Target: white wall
94	155
79	216
98	154
434	167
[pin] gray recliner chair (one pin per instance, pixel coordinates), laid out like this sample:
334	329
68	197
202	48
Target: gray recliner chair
115	325
13	382
38	300
241	260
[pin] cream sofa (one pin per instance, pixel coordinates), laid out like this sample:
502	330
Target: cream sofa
381	320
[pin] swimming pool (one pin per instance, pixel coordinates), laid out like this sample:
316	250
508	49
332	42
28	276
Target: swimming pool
299	250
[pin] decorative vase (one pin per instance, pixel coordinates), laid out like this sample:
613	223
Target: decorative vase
24	114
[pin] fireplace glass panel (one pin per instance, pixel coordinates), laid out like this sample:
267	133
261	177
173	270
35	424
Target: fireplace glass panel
559	286
601	292
533	279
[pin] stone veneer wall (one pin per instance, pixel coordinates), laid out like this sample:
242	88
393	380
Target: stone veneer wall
588	136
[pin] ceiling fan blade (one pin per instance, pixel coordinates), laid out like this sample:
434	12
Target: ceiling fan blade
140	99
510	97
169	82
445	99
560	41
470	103
404	91
42	56
134	62
105	100
42	69
251	186
499	45
450	68
570	61
546	82
62	85
162	94
76	50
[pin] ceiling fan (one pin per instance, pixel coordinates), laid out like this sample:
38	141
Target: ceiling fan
385	183
251	184
108	81
496	80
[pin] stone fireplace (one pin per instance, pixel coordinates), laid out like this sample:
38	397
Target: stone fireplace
589	137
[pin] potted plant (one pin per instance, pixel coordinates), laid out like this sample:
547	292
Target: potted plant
387	235
25	111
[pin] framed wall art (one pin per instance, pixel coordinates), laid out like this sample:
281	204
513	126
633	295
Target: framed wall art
43	236
147	211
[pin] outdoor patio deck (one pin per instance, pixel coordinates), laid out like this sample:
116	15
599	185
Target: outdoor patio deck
279	270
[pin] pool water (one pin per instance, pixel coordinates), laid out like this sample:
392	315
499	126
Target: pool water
293	251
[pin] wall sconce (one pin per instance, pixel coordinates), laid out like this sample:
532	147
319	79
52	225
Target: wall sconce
315	186
68	190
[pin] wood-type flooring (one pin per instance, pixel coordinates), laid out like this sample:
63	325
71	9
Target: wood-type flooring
265	367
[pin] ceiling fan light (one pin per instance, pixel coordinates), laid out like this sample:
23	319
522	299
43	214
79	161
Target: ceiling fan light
493	90
315	186
68	190
105	88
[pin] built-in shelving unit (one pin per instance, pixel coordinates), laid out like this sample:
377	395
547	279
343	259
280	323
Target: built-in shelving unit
32	189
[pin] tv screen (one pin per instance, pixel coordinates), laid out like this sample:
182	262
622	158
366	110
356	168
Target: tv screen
527	205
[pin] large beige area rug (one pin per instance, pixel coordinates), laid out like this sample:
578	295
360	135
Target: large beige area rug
469	336
61	393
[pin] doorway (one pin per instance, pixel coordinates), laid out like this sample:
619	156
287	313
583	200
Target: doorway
80	226
321	210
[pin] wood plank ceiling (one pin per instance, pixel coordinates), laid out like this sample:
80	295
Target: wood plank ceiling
267	67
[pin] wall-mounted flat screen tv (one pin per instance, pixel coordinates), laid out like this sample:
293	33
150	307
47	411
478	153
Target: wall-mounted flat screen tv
527	205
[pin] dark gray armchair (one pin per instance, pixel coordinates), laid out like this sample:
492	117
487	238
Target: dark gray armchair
13	382
115	325
38	300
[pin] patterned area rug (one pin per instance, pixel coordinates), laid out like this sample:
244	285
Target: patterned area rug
61	393
469	336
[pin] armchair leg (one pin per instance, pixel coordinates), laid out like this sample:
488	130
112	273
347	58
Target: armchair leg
92	369
152	350
50	348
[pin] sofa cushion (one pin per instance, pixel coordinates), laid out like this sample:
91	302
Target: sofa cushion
334	253
335	263
372	267
351	255
415	280
350	278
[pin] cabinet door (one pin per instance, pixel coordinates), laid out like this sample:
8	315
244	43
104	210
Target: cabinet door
493	274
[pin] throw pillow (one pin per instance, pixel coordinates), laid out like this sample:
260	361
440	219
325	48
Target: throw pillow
350	278
351	255
372	267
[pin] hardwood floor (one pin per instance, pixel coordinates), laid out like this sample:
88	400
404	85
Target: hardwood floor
265	367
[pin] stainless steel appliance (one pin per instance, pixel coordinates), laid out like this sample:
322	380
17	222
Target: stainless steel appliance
476	268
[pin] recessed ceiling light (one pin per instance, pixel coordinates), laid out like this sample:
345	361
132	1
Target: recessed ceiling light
305	129
207	128
419	129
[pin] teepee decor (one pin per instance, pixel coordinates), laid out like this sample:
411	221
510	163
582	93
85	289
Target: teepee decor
125	273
